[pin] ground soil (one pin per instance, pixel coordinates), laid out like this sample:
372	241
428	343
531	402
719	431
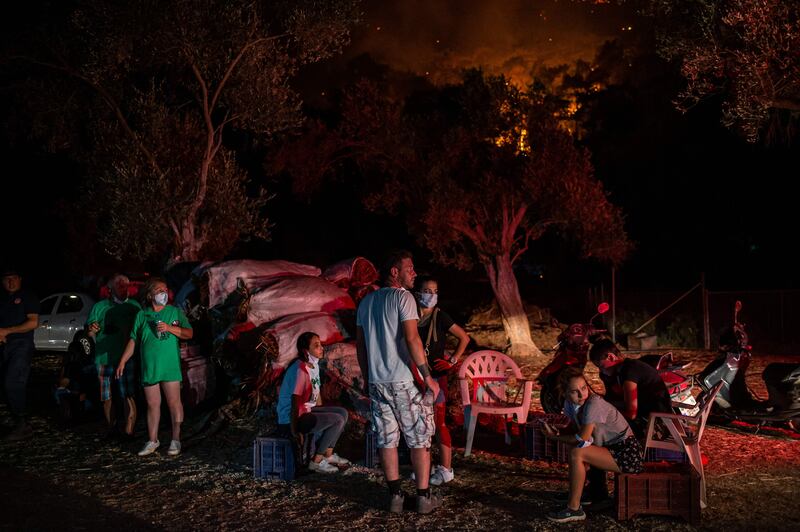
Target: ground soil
74	479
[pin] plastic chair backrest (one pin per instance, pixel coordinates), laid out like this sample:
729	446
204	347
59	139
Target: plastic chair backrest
705	404
488	371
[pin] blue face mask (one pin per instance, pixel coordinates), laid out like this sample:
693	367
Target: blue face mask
428	300
161	298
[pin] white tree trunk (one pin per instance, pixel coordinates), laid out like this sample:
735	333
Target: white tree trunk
506	291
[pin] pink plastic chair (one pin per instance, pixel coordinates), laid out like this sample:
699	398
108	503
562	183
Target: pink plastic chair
487	372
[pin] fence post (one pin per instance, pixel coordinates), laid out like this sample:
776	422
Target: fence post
706	323
614	304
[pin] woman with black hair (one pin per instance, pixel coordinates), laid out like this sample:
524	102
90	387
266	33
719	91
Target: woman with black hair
299	406
434	326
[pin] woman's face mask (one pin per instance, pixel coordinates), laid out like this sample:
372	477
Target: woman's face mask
161	298
428	300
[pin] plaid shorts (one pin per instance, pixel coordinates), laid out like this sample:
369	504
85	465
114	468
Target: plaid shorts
400	406
127	383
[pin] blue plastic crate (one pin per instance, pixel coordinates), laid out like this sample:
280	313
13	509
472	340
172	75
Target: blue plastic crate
665	455
273	459
372	457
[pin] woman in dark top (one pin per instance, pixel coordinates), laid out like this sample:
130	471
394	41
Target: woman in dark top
434	324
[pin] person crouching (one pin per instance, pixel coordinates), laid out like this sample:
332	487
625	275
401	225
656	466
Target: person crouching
603	440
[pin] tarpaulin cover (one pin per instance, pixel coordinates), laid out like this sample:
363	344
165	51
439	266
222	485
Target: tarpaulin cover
295	295
357	271
222	278
289	328
342	380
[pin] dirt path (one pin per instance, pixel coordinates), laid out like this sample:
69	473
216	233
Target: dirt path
75	480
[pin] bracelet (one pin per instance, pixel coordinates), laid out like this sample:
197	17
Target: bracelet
583	443
424	370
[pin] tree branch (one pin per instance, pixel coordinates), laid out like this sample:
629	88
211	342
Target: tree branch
108	98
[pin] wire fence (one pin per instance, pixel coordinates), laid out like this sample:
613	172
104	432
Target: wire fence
771	317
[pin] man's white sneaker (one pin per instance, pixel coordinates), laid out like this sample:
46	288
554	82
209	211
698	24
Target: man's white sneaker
441	475
335	459
149	448
322	466
174	448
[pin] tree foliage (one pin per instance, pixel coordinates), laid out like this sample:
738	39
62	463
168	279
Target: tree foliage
147	94
479	170
747	51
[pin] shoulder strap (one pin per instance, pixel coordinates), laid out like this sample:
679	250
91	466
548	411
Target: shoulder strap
431	330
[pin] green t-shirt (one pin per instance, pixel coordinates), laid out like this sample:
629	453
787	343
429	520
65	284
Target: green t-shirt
116	321
161	357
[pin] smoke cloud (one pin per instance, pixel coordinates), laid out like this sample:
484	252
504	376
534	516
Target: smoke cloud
439	38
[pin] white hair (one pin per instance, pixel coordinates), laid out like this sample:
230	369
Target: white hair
118	277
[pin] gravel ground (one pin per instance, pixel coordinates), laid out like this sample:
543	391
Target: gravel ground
77	480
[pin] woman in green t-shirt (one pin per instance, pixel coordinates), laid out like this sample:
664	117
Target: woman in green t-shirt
157	329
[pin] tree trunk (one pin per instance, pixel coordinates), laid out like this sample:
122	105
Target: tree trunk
506	291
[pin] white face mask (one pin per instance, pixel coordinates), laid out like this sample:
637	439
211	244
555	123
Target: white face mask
312	359
428	300
161	298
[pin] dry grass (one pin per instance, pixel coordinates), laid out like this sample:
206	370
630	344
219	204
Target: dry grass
75	480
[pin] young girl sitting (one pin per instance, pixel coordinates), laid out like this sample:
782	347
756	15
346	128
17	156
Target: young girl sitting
299	406
604	440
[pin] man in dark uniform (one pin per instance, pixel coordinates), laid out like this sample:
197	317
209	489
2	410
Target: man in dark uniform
19	316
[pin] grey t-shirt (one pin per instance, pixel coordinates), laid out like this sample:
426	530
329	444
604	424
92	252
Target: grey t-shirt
381	315
610	426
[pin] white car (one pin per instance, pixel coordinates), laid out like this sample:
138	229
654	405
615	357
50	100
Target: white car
60	317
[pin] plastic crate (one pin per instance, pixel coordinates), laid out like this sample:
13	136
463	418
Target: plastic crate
372	457
660	490
664	455
273	459
536	446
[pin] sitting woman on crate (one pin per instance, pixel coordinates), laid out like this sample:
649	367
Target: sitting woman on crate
434	325
603	440
299	406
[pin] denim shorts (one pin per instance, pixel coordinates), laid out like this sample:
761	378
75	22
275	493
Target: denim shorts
400	407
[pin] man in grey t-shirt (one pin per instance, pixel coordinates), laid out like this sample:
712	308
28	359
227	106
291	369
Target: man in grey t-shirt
388	345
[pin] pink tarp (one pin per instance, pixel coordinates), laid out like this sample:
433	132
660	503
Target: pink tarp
223	277
355	272
289	328
295	295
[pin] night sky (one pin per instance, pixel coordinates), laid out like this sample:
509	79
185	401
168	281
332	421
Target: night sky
697	197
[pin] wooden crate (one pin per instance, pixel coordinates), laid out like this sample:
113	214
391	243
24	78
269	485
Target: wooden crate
660	490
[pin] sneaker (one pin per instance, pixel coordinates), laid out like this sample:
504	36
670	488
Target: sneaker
174	448
396	503
337	460
441	475
426	505
22	431
149	448
322	466
566	515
